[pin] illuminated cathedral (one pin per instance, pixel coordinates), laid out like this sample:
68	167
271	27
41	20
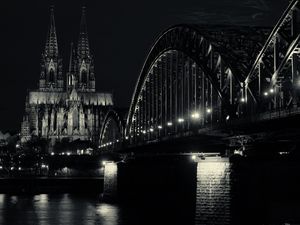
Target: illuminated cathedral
65	104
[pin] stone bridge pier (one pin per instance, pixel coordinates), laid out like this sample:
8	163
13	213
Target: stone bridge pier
201	186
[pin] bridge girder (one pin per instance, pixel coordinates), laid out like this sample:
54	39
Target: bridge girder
273	79
194	77
177	47
112	131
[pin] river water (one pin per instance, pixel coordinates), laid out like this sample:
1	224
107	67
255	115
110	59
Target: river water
219	193
70	209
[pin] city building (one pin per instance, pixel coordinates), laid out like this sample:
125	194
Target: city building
65	105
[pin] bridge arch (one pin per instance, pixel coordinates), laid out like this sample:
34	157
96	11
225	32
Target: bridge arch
186	76
271	83
112	131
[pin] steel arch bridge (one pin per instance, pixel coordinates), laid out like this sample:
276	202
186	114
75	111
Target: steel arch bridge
197	77
112	131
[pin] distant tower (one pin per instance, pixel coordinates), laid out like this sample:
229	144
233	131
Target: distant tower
51	65
85	62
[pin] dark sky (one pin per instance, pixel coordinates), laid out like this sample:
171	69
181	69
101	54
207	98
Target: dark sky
121	34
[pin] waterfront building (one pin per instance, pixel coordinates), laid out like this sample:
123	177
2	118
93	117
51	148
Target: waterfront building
66	104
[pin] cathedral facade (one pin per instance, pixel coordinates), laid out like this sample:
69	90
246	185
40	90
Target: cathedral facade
65	105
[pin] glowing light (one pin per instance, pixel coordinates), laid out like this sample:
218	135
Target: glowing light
194	157
151	130
169	124
218	169
159	127
108	212
1	167
243	99
283	153
195	115
63	153
238	152
52	153
180	120
43	166
271	90
104	163
12	168
68	153
208	110
17	145
20	168
227	117
266	94
126	137
144	132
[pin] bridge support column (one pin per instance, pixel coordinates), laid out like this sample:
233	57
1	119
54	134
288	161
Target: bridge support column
213	199
110	189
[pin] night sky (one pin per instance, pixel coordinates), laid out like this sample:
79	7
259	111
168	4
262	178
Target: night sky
120	33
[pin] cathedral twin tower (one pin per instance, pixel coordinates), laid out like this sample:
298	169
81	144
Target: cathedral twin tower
65	106
81	66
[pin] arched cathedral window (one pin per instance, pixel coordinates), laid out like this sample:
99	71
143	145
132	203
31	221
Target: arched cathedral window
51	76
84	77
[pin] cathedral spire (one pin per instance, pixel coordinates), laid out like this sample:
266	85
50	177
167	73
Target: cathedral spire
83	49
51	47
51	65
71	62
71	79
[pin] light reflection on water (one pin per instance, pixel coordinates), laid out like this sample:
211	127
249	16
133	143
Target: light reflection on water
68	209
47	209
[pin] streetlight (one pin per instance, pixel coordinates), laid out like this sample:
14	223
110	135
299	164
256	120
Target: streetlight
243	99
180	120
266	94
169	124
195	115
208	110
194	157
159	127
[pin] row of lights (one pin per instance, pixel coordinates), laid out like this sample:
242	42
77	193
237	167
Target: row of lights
271	91
266	93
62	153
20	168
109	144
195	115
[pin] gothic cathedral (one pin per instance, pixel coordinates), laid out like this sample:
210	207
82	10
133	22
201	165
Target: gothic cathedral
65	106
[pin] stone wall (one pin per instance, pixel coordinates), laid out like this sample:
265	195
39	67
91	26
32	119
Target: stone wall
213	192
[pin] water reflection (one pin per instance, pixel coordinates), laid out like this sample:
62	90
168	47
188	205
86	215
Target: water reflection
107	214
68	209
241	194
47	209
